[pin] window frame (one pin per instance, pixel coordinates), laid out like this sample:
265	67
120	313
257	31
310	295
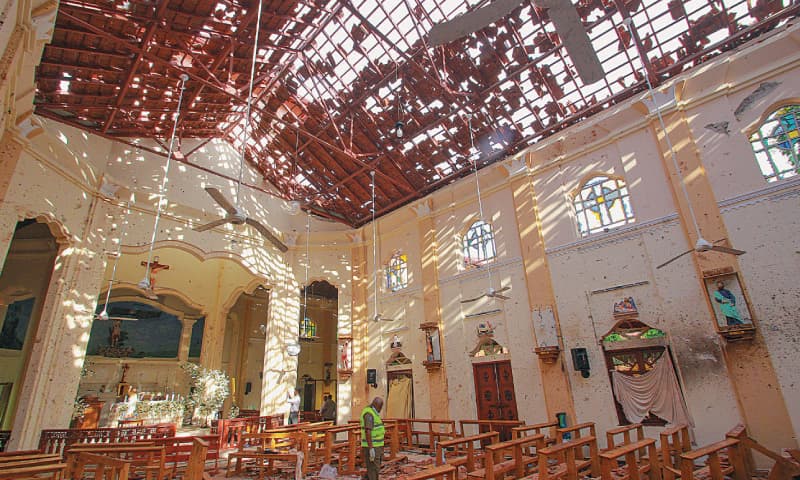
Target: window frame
756	137
584	201
472	240
397	272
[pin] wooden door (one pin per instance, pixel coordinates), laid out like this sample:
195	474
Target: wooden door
494	388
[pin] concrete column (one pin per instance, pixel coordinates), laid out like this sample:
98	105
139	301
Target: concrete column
280	369
437	378
555	380
749	365
360	282
186	337
10	151
54	366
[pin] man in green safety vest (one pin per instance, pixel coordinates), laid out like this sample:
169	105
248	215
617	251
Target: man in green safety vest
372	434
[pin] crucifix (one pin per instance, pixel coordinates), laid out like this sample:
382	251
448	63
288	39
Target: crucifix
154	267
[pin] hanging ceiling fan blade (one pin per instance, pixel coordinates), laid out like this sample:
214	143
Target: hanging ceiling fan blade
124	319
674	258
507	287
221	200
264	231
574	38
380	318
209	226
501	297
470	22
469	300
732	251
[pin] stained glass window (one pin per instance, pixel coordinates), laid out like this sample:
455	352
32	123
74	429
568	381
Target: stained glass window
776	144
601	204
479	244
308	327
397	272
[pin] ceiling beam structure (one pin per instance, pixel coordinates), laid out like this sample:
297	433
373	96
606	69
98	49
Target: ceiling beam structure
333	78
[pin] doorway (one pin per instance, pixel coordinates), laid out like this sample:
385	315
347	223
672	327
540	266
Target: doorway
400	394
317	329
23	287
494	392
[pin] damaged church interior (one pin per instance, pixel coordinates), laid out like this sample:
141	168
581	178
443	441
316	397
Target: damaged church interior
556	239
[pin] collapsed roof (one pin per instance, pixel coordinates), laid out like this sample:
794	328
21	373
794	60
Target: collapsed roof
334	78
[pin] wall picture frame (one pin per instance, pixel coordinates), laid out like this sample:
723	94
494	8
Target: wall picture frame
731	308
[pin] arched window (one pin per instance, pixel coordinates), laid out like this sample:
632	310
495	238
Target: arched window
776	144
602	203
397	272
479	244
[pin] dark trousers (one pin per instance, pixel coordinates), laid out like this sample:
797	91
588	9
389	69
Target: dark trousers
293	417
373	467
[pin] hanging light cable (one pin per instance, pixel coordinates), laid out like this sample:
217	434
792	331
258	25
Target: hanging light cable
245	134
104	314
308	260
478	189
144	284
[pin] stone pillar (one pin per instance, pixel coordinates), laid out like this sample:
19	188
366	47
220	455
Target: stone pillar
10	152
749	365
186	337
541	296
216	322
359	281
429	255
53	369
280	369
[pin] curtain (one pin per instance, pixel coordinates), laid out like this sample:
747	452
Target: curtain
398	404
656	391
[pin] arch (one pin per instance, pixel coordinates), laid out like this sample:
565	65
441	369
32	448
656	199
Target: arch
487	346
775	141
197	252
58	230
601	202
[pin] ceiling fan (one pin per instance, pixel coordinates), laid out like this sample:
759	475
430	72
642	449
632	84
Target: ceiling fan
378	317
701	245
704	245
235	215
561	12
490	292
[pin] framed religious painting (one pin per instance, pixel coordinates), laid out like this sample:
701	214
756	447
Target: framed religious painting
731	310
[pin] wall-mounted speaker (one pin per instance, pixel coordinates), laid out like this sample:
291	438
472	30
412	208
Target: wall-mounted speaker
580	361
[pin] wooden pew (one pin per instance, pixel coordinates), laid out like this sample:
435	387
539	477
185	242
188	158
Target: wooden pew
517	457
464	451
196	464
20	462
675	441
636	464
571	463
442	472
403	429
148	462
178	450
264	449
431	430
55	441
548	429
714	469
575	432
99	467
784	466
51	471
346	451
503	427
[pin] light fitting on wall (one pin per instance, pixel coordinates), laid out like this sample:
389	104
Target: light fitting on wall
144	284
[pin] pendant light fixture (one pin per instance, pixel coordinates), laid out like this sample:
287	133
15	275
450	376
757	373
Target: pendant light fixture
144	284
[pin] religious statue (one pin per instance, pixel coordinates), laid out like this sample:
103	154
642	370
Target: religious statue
344	355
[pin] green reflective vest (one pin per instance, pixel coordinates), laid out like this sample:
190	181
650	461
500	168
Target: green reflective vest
378	430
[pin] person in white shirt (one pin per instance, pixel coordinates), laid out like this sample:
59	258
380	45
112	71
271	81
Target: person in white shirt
293	398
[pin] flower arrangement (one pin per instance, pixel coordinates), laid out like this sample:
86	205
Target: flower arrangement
208	390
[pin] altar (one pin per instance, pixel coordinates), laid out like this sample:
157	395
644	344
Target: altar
150	412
